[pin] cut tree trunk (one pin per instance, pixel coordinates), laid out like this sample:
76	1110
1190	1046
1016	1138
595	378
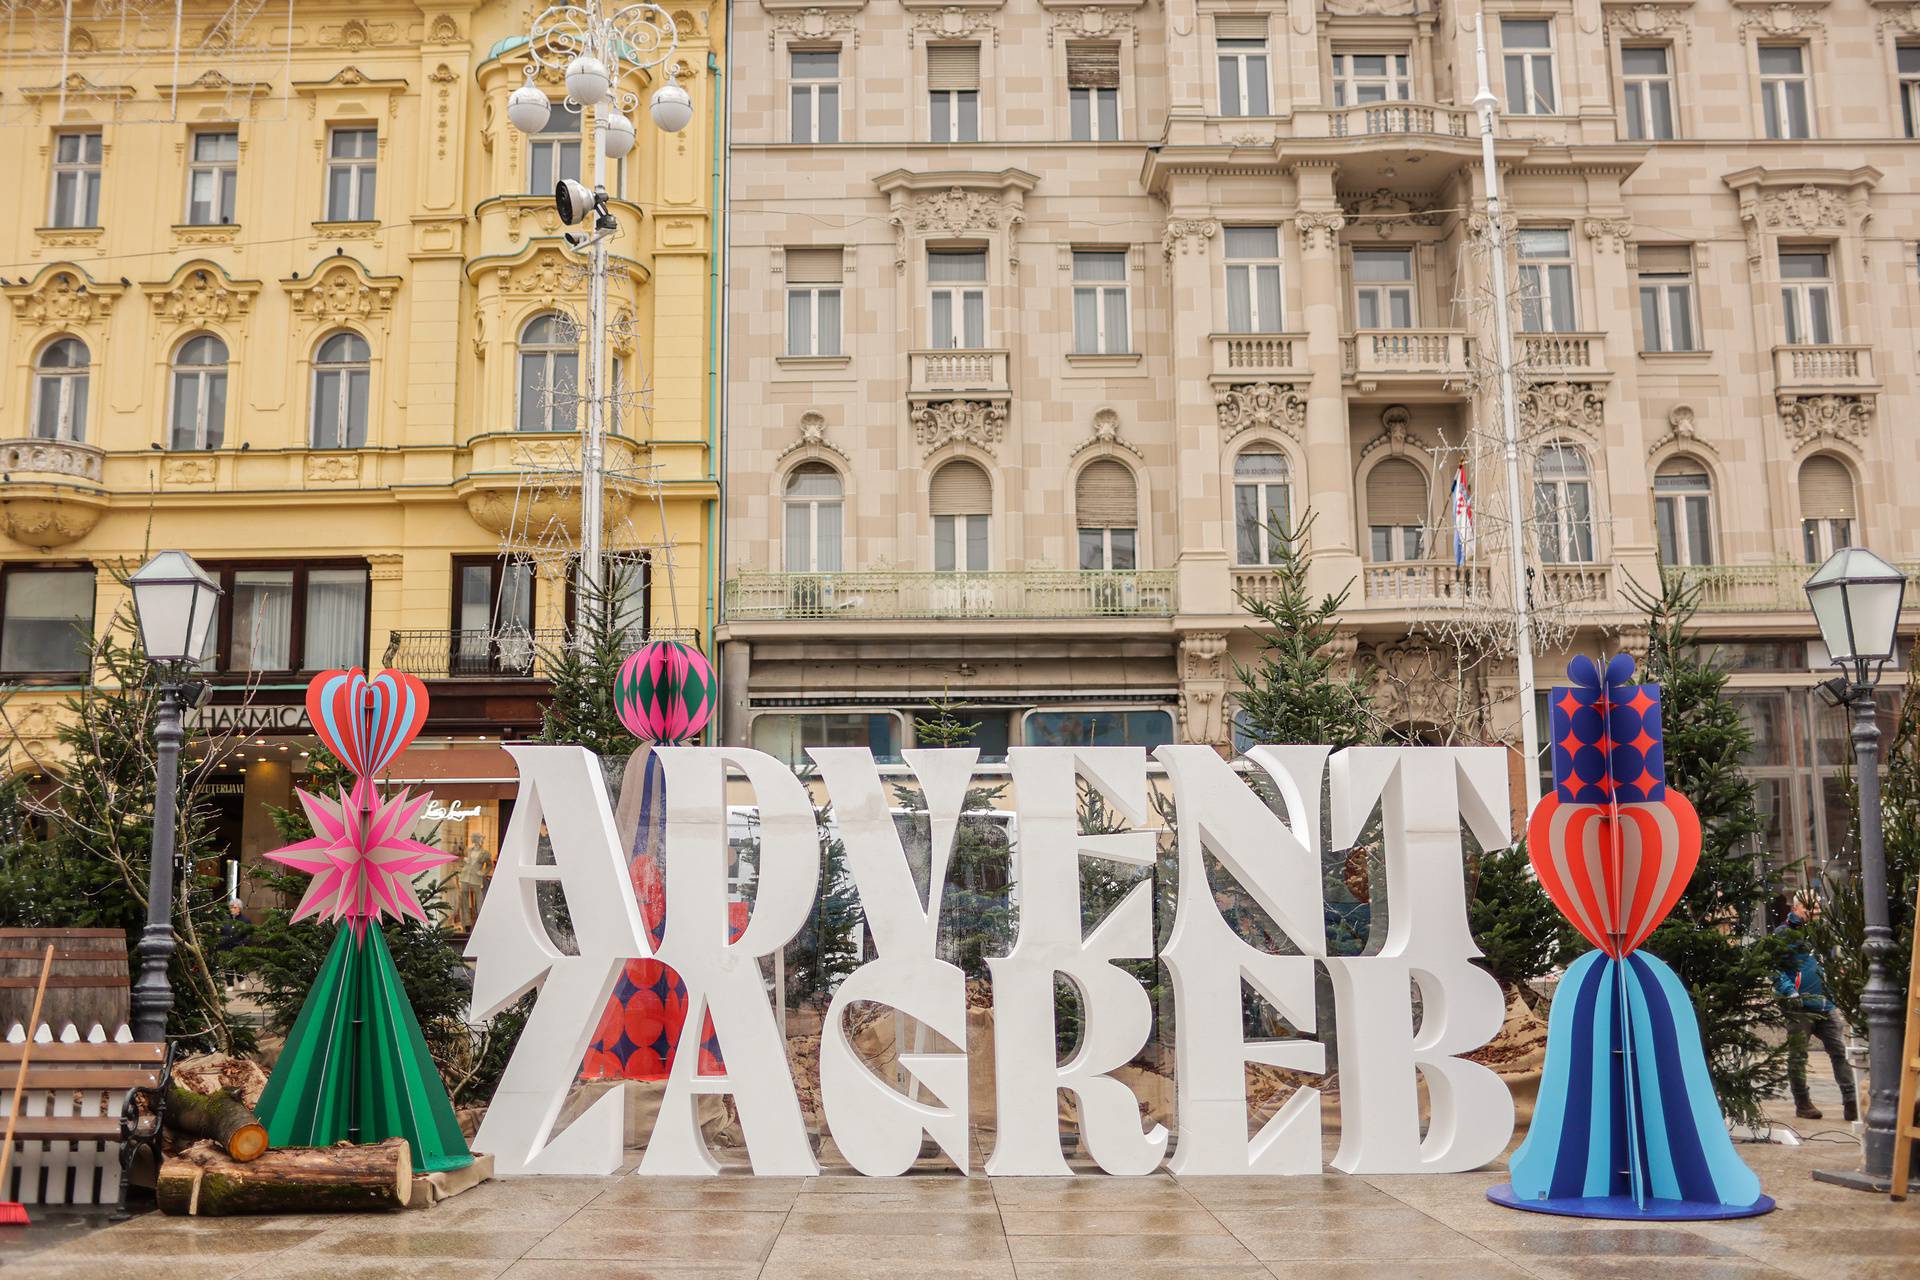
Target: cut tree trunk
219	1116
201	1181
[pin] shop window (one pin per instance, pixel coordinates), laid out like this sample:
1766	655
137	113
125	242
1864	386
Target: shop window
787	735
46	620
1098	727
990	729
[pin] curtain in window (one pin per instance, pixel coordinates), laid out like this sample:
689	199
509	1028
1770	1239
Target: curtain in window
262	621
336	618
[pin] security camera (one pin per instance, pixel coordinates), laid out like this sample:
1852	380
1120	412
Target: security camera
574	201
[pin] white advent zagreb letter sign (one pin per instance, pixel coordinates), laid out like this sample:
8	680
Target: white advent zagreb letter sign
1116	1014
1278	864
1423	794
563	787
876	1126
723	978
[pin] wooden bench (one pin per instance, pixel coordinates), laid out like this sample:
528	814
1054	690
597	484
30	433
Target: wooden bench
79	1098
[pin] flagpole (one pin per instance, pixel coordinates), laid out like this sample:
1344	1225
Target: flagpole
1484	102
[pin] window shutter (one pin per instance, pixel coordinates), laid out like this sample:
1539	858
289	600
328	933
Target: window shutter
1826	490
815	266
1397	495
953	66
1681	466
1103	498
1666	259
961	489
1239	26
1093	66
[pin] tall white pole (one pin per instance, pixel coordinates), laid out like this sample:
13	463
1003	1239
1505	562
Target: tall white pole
592	469
1484	102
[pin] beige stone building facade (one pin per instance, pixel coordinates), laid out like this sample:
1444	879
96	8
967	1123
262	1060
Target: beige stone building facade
1038	309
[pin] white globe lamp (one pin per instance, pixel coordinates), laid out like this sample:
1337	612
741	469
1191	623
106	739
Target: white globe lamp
528	109
617	136
672	108
587	80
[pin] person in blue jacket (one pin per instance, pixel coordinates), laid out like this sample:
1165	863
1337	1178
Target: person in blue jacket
1803	989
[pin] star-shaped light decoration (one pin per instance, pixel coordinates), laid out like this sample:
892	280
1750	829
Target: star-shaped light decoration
361	863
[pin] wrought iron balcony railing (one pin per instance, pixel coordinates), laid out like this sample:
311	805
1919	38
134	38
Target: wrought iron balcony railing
891	595
509	653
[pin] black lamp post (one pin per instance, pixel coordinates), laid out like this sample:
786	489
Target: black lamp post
1856	599
175	602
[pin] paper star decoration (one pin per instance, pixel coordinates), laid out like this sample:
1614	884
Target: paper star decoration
361	864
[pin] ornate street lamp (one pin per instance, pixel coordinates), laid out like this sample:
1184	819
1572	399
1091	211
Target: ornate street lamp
593	47
175	603
1856	598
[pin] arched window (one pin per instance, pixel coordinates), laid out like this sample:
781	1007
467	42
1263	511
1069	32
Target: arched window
1563	505
1397	511
1826	506
962	500
814	500
340	378
1106	506
1262	505
199	394
1683	512
60	390
549	375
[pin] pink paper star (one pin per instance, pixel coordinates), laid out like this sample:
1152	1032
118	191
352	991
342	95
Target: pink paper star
361	863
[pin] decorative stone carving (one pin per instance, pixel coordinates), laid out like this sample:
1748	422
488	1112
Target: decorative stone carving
1320	231
1779	20
67	238
979	423
1396	422
443	30
1479	226
1650	21
1106	435
186	471
1681	431
1276	406
547	274
19	458
1419	686
1608	234
338	292
1203	688
955	22
1384	210
1807	208
45	521
1902	20
332	468
813	435
1563	406
63	298
815	23
225	233
954	211
201	296
1809	418
1093	22
1187	235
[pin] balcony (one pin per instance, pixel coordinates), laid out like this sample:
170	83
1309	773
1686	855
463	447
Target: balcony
1762	588
1575	354
1141	593
1416	583
934	375
1401	120
1241	357
1824	368
1408	359
509	654
54	492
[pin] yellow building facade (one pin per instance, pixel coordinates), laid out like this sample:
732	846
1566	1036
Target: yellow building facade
288	292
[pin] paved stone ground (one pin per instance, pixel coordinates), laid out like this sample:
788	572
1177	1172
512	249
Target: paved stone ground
844	1227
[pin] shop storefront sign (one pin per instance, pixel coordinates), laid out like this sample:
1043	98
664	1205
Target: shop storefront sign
249	718
1387	1048
442	811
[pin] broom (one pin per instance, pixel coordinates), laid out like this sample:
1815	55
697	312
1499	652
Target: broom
12	1212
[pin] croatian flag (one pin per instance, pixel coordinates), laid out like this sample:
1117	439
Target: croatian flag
1462	518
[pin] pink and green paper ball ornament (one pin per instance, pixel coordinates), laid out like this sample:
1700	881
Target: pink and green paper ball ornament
665	693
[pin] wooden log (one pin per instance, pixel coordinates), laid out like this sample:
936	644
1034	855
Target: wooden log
202	1181
219	1116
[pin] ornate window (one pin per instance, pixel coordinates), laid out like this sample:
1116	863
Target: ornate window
1666	298
1383	296
1526	46
961	498
814	95
212	177
1106	509
1546	280
1100	302
1806	296
815	504
1909	64
1683	512
957	298
60	379
1374	76
549	375
199	394
342	371
1646	75
953	92
1253	280
1563	505
1827	508
1240	41
554	152
1262	505
352	166
75	198
1093	90
1397	512
813	301
1785	91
